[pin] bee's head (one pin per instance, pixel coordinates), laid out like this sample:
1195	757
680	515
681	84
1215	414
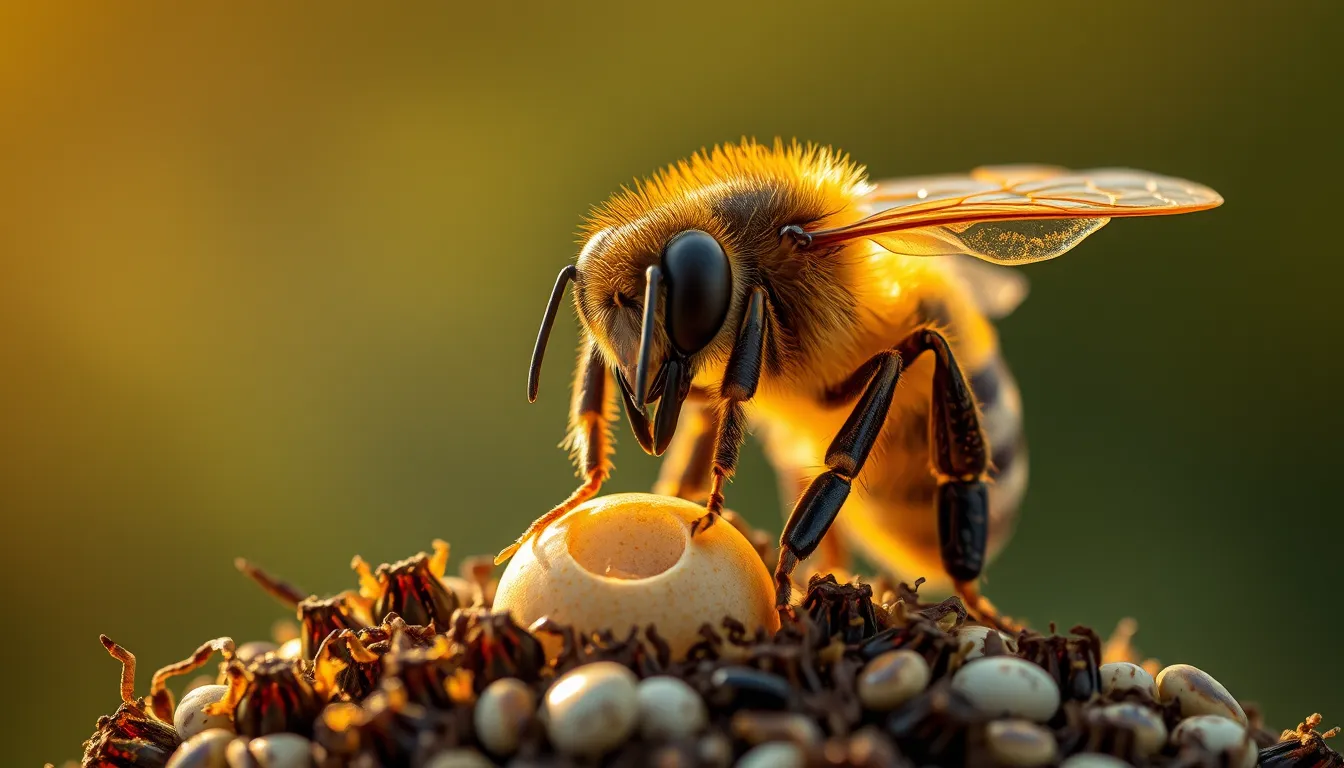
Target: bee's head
694	284
653	311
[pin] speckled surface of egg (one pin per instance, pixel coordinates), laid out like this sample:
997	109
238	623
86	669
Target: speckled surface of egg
1123	676
1006	686
628	559
1197	693
892	678
190	718
592	708
1218	734
670	709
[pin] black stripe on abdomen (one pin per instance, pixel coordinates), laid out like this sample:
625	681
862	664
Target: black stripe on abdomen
1000	414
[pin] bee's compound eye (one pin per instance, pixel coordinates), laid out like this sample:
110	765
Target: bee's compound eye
699	289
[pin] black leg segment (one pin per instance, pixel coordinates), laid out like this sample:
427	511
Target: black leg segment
740	379
959	455
963	527
748	357
823	499
960	458
821	502
959	447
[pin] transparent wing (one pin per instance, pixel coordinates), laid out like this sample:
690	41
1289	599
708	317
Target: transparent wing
1011	214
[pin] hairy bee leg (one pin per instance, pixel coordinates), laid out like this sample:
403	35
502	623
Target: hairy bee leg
816	510
742	375
590	440
687	462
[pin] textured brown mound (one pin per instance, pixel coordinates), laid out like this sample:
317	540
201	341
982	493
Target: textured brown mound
867	675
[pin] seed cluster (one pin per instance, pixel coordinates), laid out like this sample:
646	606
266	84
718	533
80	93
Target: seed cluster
866	675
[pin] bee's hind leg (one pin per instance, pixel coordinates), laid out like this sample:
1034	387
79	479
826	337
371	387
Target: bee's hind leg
961	459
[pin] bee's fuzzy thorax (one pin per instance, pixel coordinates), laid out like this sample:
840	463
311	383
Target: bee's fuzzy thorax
826	174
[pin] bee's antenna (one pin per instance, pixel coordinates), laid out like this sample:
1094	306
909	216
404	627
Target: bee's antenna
570	272
653	276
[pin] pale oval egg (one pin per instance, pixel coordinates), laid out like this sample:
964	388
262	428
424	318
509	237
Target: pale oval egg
627	560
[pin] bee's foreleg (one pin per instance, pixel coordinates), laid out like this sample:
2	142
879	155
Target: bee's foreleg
589	439
816	510
740	379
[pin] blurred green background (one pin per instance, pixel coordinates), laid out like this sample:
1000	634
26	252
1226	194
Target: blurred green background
270	275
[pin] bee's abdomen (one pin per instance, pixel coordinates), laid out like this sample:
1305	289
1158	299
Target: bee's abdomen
1001	418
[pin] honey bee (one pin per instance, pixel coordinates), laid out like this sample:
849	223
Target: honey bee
776	289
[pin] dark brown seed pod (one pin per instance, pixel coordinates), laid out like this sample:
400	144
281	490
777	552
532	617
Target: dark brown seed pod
134	736
349	664
319	617
494	647
424	672
345	668
411	588
268	695
130	738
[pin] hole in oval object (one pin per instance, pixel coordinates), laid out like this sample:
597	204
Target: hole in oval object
626	542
